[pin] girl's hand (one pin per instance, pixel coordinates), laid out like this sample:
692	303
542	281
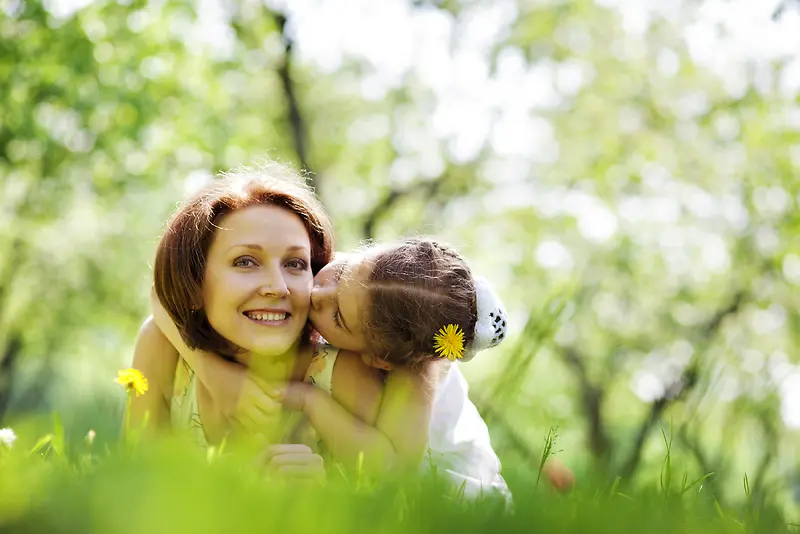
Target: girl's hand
255	405
293	461
290	395
228	383
295	395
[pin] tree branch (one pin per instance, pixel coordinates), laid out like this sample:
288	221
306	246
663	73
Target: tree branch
680	387
428	188
713	325
294	116
9	271
770	452
676	390
782	7
592	400
11	353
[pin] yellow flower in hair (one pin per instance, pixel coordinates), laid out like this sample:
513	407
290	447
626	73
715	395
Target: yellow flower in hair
449	342
132	380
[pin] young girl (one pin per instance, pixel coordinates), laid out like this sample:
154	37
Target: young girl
239	293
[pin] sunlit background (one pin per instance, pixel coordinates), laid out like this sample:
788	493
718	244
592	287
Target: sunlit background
624	171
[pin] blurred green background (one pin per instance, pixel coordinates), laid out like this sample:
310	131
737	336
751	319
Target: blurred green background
625	172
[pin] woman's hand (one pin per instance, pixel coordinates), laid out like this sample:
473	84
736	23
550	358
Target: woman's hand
292	461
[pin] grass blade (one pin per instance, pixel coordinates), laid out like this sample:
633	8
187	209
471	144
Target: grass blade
701	479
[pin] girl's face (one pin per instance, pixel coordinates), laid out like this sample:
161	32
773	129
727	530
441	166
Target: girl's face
339	301
258	279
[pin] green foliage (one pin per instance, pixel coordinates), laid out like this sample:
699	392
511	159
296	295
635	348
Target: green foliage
165	487
636	209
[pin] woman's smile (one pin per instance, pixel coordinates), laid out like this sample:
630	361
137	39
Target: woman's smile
268	317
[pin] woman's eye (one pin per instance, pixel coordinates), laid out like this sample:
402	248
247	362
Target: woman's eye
297	264
336	319
244	261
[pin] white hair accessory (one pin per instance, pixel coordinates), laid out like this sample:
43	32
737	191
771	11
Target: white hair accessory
490	328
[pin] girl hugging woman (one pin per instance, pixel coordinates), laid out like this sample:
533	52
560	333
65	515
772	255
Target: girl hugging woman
254	320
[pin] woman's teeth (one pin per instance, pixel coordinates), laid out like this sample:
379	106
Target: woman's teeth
259	316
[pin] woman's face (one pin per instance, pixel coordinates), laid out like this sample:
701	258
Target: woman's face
258	279
339	301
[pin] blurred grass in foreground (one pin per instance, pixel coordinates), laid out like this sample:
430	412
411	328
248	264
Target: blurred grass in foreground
47	485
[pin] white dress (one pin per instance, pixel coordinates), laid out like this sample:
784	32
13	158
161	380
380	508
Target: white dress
458	439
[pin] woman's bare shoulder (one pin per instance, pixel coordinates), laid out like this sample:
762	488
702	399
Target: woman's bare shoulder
155	357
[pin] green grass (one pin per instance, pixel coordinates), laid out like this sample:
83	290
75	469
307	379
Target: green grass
165	486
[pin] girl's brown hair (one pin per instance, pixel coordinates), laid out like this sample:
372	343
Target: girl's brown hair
182	251
417	287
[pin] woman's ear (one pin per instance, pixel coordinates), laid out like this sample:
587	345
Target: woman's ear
373	361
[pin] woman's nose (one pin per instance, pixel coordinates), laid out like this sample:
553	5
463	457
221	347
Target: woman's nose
273	284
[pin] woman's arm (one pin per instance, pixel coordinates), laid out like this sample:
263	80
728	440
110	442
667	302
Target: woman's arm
156	358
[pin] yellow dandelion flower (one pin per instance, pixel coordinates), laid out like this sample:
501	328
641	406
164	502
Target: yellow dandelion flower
449	342
132	380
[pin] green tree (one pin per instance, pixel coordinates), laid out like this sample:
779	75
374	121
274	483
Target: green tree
635	207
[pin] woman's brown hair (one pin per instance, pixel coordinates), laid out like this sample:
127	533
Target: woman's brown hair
416	287
182	251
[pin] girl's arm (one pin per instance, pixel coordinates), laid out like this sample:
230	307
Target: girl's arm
156	358
225	380
393	437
